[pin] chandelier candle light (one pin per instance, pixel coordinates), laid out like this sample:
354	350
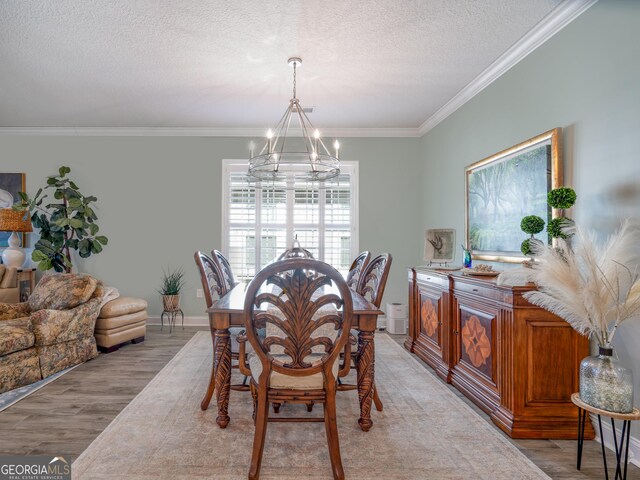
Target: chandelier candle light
308	157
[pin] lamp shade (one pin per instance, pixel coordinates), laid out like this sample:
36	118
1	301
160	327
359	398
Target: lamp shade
15	221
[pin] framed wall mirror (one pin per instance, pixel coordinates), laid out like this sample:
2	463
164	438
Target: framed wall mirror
503	188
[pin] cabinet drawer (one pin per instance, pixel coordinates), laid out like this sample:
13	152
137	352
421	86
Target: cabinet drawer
433	280
488	292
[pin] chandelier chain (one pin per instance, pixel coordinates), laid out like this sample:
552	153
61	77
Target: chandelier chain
294	79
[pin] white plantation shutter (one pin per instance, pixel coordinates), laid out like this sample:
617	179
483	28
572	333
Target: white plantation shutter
259	223
338	214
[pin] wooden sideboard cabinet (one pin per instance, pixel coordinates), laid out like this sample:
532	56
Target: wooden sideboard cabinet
517	362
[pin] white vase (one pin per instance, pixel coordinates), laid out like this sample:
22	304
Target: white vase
13	255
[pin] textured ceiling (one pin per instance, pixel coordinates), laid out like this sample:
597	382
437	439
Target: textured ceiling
220	63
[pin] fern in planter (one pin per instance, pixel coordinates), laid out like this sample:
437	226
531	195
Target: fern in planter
66	224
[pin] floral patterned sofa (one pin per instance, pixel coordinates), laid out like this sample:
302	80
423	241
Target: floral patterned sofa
52	331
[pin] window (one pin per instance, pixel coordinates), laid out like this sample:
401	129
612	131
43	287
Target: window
260	222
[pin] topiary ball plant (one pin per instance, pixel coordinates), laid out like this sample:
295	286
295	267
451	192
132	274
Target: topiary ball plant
528	246
561	198
532	224
556	227
525	247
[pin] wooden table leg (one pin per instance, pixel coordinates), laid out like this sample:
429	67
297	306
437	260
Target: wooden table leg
223	375
365	369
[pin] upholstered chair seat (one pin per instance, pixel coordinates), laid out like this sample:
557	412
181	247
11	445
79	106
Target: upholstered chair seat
16	335
281	380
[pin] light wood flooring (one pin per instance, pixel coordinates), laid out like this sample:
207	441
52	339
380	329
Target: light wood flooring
64	417
557	458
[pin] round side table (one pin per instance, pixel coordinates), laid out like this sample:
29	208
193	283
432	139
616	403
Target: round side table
621	445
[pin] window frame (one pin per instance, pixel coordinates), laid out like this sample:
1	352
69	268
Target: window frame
232	166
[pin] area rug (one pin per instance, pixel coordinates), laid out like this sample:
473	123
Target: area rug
425	431
13	396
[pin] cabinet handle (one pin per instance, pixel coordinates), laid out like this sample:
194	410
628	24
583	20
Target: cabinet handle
439	323
455	332
475	289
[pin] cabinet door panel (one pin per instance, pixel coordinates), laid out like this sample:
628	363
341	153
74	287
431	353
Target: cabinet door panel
551	348
430	314
476	341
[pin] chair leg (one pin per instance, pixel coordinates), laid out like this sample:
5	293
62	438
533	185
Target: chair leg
276	407
310	407
376	399
331	428
212	380
262	417
254	396
212	385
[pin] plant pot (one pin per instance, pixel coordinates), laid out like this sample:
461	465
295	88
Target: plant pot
171	302
605	383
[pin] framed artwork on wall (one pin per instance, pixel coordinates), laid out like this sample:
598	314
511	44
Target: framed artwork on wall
439	245
503	188
10	185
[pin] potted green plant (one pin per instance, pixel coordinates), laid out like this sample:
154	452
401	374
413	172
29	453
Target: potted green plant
530	224
66	222
561	199
172	284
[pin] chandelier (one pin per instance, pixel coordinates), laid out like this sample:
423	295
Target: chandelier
307	157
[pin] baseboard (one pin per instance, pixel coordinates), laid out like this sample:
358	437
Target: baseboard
188	321
607	432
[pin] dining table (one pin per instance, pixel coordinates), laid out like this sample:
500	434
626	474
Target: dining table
228	311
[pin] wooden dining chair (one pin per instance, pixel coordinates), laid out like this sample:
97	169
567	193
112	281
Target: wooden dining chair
297	359
214	287
371	286
225	268
358	265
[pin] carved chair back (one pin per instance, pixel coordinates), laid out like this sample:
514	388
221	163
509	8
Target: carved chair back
358	265
374	278
211	277
287	299
225	268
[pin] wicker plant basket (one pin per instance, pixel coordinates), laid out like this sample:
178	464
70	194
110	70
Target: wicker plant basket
171	302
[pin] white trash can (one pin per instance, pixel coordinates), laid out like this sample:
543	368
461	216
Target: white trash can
397	318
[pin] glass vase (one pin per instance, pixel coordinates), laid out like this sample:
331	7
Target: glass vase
466	258
605	383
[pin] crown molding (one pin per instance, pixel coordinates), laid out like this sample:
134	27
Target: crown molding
196	132
551	24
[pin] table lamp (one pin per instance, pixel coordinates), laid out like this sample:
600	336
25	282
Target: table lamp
14	221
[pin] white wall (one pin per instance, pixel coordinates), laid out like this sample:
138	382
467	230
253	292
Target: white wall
585	80
159	200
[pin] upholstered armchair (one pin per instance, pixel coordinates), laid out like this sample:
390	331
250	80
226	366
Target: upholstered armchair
9	291
57	322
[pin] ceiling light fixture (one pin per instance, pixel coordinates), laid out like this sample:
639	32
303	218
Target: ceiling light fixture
307	156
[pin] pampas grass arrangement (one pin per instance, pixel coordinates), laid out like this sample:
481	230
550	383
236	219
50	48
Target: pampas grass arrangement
596	286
